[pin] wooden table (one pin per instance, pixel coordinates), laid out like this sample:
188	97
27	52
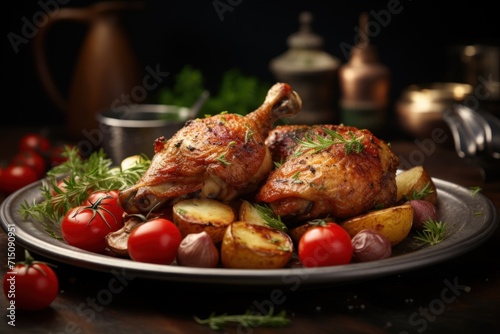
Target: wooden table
420	301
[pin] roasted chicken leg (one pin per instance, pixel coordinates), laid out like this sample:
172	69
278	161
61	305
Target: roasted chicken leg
219	157
328	170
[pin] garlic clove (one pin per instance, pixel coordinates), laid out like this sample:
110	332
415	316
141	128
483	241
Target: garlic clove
198	250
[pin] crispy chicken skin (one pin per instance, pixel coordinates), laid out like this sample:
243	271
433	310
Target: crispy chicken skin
220	157
330	182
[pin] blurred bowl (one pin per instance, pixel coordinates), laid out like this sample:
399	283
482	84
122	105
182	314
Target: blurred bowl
133	130
421	106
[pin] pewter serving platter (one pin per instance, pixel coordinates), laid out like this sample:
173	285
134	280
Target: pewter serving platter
471	219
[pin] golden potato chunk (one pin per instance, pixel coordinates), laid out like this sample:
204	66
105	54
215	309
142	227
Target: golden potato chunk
395	222
248	212
201	214
251	246
414	180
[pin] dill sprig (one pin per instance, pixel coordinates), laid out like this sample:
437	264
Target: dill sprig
319	143
433	232
272	220
80	177
246	320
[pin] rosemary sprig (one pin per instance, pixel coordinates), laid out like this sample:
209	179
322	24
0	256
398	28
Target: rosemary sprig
426	190
433	232
247	320
222	159
319	143
248	133
475	190
80	176
272	220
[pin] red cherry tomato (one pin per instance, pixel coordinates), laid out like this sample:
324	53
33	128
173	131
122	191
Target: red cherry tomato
155	241
108	201
86	226
31	159
15	177
326	244
34	142
56	155
61	187
30	285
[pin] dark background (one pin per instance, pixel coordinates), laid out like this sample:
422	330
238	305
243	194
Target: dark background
414	45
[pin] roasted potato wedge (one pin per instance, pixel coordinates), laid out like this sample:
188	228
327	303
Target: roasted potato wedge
395	222
248	212
201	214
251	246
414	180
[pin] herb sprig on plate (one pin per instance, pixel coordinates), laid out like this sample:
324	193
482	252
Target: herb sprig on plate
273	220
246	320
415	195
319	143
79	177
433	232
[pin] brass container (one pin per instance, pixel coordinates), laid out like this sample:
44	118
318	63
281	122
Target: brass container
421	106
364	85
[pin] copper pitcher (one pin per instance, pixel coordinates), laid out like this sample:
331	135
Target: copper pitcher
105	70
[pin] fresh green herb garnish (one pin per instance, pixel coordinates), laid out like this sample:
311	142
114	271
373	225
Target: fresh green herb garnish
81	176
432	233
247	320
319	221
320	143
426	190
271	219
475	190
248	134
222	160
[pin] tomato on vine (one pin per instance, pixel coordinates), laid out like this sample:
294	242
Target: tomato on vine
155	241
31	285
87	225
325	244
108	200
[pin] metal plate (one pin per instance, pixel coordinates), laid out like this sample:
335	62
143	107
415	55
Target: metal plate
471	220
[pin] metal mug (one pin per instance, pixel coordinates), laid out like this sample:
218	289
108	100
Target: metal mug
133	130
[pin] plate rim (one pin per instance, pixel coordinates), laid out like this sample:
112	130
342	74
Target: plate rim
343	274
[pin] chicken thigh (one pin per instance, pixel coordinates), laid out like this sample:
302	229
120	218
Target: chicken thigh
328	170
219	157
